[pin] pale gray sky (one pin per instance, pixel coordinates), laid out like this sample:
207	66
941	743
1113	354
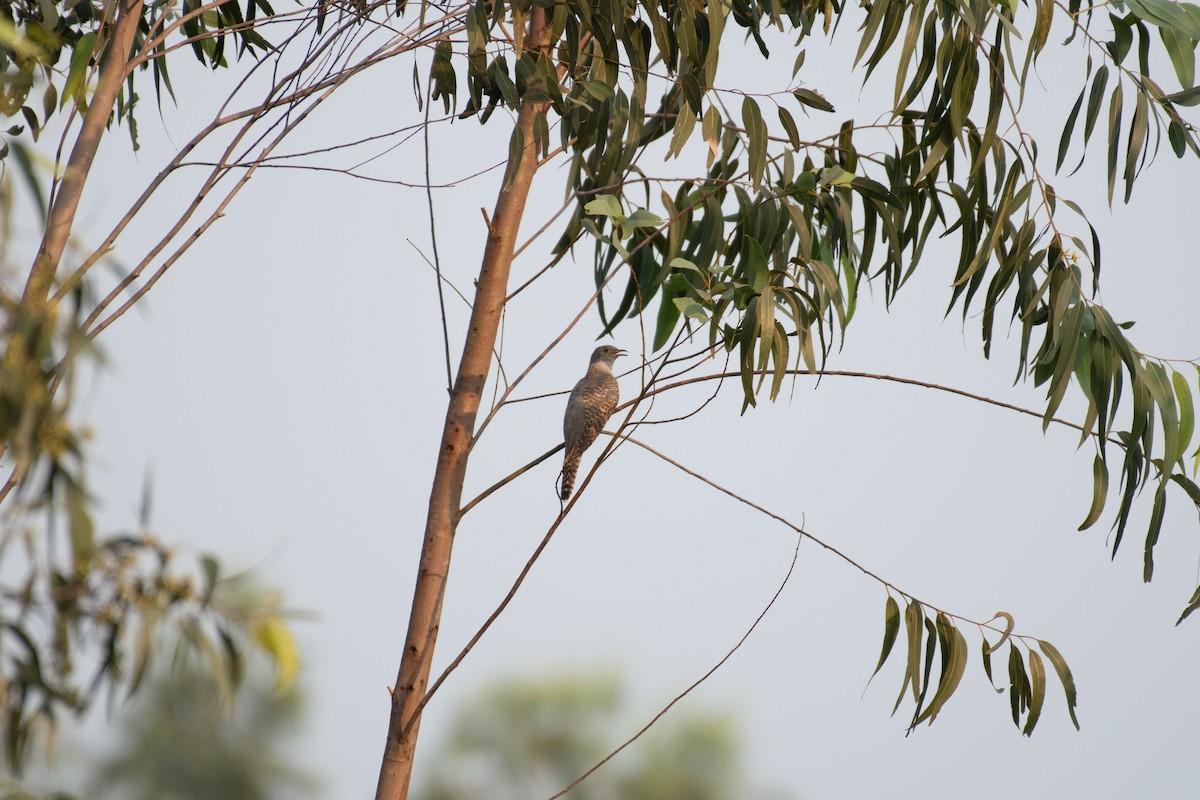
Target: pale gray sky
284	383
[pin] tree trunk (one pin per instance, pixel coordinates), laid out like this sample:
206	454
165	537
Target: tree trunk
60	217
66	200
446	496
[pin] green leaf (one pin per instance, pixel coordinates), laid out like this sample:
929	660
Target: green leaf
442	77
1010	623
1099	492
1099	84
643	219
757	271
74	88
1064	676
1018	684
1183	56
1064	142
954	664
987	665
710	130
1138	129
1114	136
277	641
1188	97
1193	604
813	99
913	617
1156	521
1037	691
516	150
891	627
756	135
1187	413
691	309
685	123
605	205
789	127
1166	14
1189	487
1068	345
597	89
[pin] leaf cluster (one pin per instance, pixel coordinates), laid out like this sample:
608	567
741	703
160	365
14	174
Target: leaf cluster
929	635
55	47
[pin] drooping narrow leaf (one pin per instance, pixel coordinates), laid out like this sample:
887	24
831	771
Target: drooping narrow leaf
1037	691
1114	137
1064	141
1099	492
954	664
756	134
1064	676
891	627
789	127
1099	84
912	666
1192	605
1018	684
1187	412
1156	521
986	653
1138	129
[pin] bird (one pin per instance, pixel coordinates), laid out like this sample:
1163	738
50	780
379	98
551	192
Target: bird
591	403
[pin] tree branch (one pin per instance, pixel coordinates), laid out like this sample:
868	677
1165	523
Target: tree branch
700	680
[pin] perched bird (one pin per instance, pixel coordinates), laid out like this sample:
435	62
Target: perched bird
592	402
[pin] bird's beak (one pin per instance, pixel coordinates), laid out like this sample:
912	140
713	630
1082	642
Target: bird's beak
620	353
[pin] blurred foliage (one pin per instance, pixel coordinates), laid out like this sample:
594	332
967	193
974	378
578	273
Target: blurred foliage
182	739
80	613
91	618
528	737
50	49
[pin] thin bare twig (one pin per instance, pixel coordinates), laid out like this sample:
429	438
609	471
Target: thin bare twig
700	680
503	481
437	261
805	534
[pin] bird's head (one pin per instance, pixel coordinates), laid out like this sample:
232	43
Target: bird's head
607	354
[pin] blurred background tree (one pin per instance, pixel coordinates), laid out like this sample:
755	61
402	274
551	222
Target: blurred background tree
182	741
184	736
530	737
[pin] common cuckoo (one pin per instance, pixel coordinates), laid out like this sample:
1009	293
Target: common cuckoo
592	402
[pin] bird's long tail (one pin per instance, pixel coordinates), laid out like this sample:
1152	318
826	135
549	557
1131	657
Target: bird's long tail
569	470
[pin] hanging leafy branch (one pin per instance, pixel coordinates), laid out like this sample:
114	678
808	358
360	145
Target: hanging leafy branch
930	631
771	249
70	630
929	634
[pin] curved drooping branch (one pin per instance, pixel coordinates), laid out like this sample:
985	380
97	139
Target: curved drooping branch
665	709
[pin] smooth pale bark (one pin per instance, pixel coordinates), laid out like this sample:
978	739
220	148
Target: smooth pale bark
445	499
61	215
